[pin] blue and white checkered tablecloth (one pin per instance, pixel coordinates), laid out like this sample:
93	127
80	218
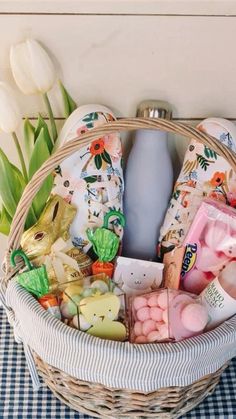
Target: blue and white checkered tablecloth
17	399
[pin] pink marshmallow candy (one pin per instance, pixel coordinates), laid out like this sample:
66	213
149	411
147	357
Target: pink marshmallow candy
148	326
196	281
159	324
162	300
210	260
156	314
152	301
165	316
138	329
164	332
141	339
143	314
194	317
215	233
139	302
154	336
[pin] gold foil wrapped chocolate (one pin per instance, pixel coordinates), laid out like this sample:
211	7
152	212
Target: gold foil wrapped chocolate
48	242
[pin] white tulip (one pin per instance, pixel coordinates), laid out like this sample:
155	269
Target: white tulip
32	68
10	116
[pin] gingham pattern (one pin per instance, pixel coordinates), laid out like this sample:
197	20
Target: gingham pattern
107	362
17	399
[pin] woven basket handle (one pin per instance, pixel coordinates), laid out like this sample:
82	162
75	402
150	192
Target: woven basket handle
127	124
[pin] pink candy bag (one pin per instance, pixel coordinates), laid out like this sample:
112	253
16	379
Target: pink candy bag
210	245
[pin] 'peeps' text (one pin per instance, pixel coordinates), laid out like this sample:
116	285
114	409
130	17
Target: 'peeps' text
189	258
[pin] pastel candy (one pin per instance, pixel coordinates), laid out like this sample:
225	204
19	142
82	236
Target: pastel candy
138	328
152	301
148	326
70	291
143	314
171	295
196	281
156	314
194	317
154	336
162	300
82	324
100	285
165	316
159	324
66	311
139	302
164	331
215	233
141	339
210	260
88	292
176	308
228	246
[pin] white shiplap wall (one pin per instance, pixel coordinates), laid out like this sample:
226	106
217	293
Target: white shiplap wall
119	52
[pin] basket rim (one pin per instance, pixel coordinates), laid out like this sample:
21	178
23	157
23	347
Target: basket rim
60	326
57	344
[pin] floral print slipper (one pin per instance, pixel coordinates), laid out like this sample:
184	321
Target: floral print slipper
204	174
92	178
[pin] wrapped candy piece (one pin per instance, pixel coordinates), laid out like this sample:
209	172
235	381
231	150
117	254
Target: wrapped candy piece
48	242
105	244
35	280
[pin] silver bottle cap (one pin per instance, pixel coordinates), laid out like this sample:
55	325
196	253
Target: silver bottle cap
154	109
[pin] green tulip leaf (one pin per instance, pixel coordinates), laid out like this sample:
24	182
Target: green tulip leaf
20	180
11	184
68	102
5	222
29	136
42	124
39	156
31	217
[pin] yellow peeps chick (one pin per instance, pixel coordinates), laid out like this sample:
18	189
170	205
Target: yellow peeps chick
101	311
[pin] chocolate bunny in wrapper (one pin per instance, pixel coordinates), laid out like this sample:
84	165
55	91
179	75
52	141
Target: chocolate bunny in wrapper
48	242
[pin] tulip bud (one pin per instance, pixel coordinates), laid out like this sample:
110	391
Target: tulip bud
10	116
32	68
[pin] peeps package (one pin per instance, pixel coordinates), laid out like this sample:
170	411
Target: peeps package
91	178
136	276
165	315
95	305
210	245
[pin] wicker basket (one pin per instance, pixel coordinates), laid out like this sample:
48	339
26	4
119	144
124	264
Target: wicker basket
94	398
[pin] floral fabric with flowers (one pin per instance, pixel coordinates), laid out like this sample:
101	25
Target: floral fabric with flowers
92	178
204	174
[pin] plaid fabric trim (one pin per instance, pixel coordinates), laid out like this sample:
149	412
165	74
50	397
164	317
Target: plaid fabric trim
19	401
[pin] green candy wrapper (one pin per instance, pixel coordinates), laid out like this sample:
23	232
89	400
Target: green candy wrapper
105	242
35	280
